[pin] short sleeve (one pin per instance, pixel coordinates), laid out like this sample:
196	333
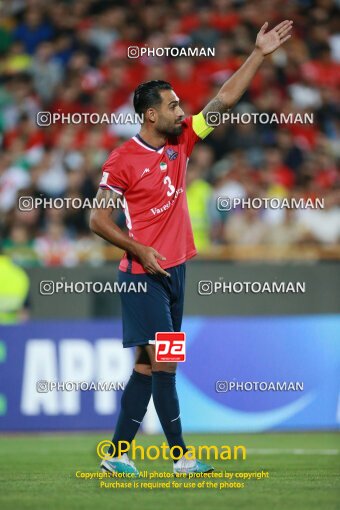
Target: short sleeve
195	128
114	174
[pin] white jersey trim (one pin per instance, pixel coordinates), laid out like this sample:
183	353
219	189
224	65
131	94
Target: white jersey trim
111	188
159	151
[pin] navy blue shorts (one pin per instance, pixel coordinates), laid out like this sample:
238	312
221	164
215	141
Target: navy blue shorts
158	309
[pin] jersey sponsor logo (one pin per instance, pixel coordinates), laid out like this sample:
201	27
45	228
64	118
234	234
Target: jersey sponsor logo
163	166
146	171
165	207
171	153
170	346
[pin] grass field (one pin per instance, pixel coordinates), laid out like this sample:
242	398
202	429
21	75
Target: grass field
38	471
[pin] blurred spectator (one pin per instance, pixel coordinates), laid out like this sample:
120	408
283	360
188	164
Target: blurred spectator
54	247
46	70
14	286
322	225
20	247
199	195
17	60
245	228
291	231
12	179
33	30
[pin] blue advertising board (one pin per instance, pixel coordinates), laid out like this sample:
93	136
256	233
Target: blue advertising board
241	374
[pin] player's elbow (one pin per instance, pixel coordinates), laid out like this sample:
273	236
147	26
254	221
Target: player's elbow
227	99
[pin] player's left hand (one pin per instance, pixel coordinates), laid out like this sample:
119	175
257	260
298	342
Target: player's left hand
270	41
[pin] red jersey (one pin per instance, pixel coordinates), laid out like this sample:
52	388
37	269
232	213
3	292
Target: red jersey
152	181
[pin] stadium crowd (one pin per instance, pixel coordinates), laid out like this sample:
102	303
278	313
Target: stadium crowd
71	57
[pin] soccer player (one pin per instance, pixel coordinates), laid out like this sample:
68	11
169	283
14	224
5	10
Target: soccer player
149	172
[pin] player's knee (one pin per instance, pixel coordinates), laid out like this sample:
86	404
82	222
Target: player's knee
143	369
164	367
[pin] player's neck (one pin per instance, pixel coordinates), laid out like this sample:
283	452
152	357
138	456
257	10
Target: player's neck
152	138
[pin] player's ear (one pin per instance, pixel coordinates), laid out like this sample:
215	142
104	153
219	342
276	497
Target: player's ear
151	115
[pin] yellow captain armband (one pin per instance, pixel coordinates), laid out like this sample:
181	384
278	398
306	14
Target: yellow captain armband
199	125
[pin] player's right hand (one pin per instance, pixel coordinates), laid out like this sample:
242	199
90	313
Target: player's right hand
148	258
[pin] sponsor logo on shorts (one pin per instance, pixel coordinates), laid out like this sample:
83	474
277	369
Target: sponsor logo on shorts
170	346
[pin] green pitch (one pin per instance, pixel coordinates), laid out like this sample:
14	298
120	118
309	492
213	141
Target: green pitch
38	472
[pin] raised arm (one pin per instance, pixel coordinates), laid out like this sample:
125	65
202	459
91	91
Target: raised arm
234	88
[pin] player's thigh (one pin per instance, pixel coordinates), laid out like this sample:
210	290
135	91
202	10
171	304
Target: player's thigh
164	366
144	313
177	315
142	361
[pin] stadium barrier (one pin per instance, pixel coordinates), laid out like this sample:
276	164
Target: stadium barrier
241	374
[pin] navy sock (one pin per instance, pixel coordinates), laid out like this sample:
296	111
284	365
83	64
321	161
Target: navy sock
165	398
134	403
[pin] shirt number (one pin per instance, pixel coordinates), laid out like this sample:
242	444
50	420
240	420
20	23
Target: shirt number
171	189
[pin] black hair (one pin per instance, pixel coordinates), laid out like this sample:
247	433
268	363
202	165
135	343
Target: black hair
147	95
